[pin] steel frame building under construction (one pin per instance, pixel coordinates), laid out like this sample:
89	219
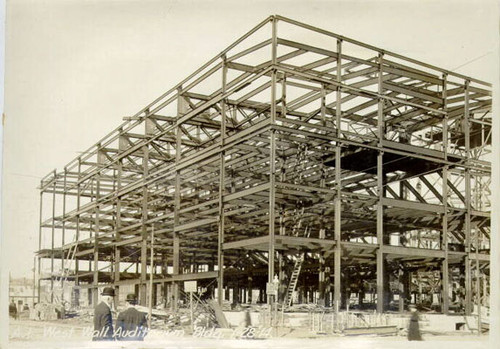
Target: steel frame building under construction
339	172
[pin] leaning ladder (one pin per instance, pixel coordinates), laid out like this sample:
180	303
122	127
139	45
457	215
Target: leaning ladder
67	262
294	278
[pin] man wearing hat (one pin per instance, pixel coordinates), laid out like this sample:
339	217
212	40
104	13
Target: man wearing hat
103	321
131	324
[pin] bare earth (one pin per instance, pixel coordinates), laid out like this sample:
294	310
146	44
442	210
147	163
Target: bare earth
73	334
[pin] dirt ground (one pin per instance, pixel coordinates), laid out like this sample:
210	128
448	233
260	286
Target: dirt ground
71	333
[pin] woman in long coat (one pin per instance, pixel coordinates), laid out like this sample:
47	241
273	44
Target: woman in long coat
414	328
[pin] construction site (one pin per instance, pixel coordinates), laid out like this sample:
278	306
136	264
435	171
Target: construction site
310	179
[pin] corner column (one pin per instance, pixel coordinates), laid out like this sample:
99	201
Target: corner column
52	239
467	260
272	161
181	109
338	197
380	192
444	242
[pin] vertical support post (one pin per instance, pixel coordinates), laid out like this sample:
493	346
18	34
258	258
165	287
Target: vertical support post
96	258
150	303
272	191
100	160
52	239
34	283
181	108
478	286
249	288
122	144
77	237
272	161
63	262
40	241
222	170
282	228
144	232
444	242
323	97
468	278
380	192
191	310
321	274
338	198
445	265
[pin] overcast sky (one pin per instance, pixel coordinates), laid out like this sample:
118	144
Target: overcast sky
75	68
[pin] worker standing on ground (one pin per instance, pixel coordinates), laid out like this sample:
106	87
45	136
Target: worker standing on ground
13	310
103	320
131	324
247	320
413	328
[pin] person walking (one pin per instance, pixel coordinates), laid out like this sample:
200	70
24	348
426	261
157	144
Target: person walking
131	324
414	328
103	320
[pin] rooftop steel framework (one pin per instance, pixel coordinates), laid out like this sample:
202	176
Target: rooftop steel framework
296	143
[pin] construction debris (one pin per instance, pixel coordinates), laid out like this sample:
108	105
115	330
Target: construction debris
219	315
47	312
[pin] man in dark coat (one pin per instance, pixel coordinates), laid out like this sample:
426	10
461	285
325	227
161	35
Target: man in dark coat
131	324
13	309
414	328
103	321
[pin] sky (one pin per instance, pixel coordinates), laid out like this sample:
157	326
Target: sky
74	69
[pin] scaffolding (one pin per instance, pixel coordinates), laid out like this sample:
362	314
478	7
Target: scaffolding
383	159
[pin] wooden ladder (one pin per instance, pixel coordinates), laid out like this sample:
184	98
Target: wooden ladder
294	277
71	253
